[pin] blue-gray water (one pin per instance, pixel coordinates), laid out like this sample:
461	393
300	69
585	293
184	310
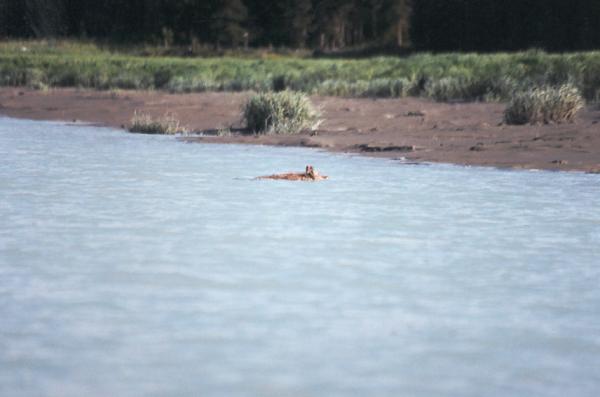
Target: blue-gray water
138	265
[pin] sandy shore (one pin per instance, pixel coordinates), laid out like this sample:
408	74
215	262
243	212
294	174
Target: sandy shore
410	128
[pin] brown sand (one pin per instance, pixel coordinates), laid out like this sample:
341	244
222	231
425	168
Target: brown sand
414	129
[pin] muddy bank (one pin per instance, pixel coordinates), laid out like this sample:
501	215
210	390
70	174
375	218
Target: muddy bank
410	128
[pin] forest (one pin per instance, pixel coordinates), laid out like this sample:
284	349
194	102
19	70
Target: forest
328	25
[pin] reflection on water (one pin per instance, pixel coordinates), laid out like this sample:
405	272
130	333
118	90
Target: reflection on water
143	266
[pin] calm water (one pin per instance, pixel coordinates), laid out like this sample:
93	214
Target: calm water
143	266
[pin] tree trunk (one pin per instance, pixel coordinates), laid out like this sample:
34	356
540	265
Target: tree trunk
399	34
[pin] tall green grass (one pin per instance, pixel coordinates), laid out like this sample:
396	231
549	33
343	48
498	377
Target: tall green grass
442	77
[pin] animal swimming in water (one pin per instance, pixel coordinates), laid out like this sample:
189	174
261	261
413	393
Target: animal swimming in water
308	175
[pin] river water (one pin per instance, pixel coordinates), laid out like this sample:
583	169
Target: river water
135	265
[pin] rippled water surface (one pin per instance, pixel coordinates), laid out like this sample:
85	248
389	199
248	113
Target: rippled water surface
144	266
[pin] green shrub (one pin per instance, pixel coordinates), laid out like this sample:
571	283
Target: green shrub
445	89
129	81
503	89
143	123
186	84
162	78
65	78
279	83
36	79
597	99
544	105
284	112
455	89
339	88
376	88
471	88
249	83
387	88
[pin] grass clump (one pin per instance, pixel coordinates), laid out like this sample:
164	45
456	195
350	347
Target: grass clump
544	105
144	123
284	112
224	131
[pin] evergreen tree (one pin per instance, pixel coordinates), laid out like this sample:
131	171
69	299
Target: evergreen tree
301	19
228	23
45	18
12	19
397	19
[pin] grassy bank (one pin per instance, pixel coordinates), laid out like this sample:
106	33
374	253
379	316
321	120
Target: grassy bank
443	77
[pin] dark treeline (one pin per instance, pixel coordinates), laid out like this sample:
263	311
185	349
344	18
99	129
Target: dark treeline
491	25
439	25
229	23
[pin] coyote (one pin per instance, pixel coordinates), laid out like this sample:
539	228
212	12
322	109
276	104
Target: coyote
308	175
